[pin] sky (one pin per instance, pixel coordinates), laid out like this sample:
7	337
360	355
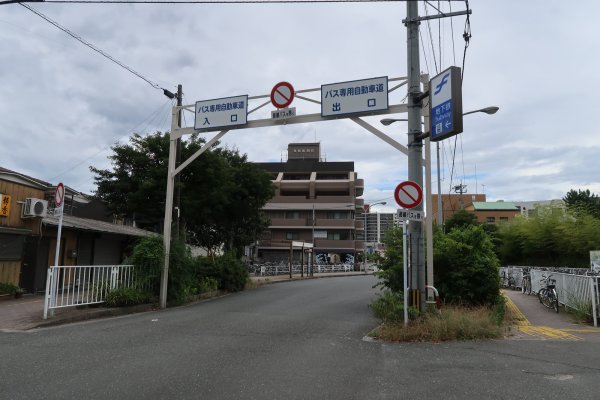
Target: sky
62	105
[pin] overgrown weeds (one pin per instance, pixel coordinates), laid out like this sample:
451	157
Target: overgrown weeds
450	323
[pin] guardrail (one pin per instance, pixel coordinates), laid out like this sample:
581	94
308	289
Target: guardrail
70	286
579	292
281	269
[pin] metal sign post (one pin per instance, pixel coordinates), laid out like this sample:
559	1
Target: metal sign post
52	281
405	272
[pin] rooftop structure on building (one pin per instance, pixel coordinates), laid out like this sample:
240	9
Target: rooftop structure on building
316	202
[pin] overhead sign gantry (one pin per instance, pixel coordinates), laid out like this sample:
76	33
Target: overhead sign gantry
351	100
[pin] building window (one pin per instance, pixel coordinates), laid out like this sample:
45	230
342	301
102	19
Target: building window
490	220
292	235
292	215
338	236
337	214
11	247
503	219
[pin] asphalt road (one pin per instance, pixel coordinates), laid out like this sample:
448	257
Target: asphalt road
297	340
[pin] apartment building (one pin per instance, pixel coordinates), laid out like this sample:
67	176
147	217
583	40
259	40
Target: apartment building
315	201
376	225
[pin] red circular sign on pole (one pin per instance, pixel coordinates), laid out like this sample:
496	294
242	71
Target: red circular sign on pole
282	95
408	194
59	195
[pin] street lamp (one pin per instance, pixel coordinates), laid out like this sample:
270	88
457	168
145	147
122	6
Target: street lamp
383	203
487	110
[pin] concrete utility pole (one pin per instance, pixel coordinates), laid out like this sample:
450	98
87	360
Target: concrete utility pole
415	150
177	162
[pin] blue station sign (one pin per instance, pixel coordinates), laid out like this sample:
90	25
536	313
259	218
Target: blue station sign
445	104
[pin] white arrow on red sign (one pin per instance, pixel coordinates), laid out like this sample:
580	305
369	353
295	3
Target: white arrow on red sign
408	194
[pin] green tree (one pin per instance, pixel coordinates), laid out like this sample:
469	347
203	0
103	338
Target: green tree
583	202
221	192
466	266
391	264
460	219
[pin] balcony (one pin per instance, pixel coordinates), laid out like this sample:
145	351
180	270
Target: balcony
335	223
289	222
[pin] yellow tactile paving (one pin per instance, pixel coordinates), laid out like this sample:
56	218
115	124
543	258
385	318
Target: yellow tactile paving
539	332
520	318
545	332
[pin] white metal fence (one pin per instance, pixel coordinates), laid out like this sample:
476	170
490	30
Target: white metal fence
282	269
578	292
69	286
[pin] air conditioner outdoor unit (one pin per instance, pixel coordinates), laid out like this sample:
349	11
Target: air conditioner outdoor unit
35	207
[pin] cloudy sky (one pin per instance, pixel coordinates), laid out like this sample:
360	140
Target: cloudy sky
63	105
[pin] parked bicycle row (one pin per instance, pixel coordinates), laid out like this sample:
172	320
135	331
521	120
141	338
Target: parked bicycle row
575	288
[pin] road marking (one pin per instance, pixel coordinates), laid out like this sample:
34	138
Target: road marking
539	332
520	318
545	333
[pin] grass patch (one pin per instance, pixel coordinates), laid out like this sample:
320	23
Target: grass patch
580	311
256	283
451	323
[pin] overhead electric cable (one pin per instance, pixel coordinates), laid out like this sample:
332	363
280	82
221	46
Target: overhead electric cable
150	117
91	46
217	1
452	32
431	40
424	53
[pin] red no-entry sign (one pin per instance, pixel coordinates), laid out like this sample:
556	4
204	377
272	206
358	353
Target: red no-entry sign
282	95
59	195
408	194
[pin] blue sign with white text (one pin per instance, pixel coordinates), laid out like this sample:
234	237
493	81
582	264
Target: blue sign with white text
441	119
445	104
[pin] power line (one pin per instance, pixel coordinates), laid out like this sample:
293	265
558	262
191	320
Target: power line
150	117
91	46
211	1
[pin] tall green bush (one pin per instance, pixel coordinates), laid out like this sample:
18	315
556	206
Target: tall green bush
391	264
466	267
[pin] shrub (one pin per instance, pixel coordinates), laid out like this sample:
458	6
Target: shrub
466	267
233	275
208	284
148	258
8	288
127	297
389	306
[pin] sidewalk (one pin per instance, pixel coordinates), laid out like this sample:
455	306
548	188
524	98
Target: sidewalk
539	322
27	312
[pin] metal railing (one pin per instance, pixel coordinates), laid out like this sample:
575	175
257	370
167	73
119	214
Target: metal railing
575	291
282	269
70	286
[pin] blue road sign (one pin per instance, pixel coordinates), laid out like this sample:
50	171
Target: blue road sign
445	104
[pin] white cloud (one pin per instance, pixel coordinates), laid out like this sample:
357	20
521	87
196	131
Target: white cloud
62	103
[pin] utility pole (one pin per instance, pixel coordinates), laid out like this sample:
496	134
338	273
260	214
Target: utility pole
177	162
415	151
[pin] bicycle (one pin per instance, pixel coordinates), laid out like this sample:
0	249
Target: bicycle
547	294
508	281
526	283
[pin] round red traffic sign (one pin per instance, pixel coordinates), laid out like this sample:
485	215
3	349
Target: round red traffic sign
282	95
408	194
59	195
